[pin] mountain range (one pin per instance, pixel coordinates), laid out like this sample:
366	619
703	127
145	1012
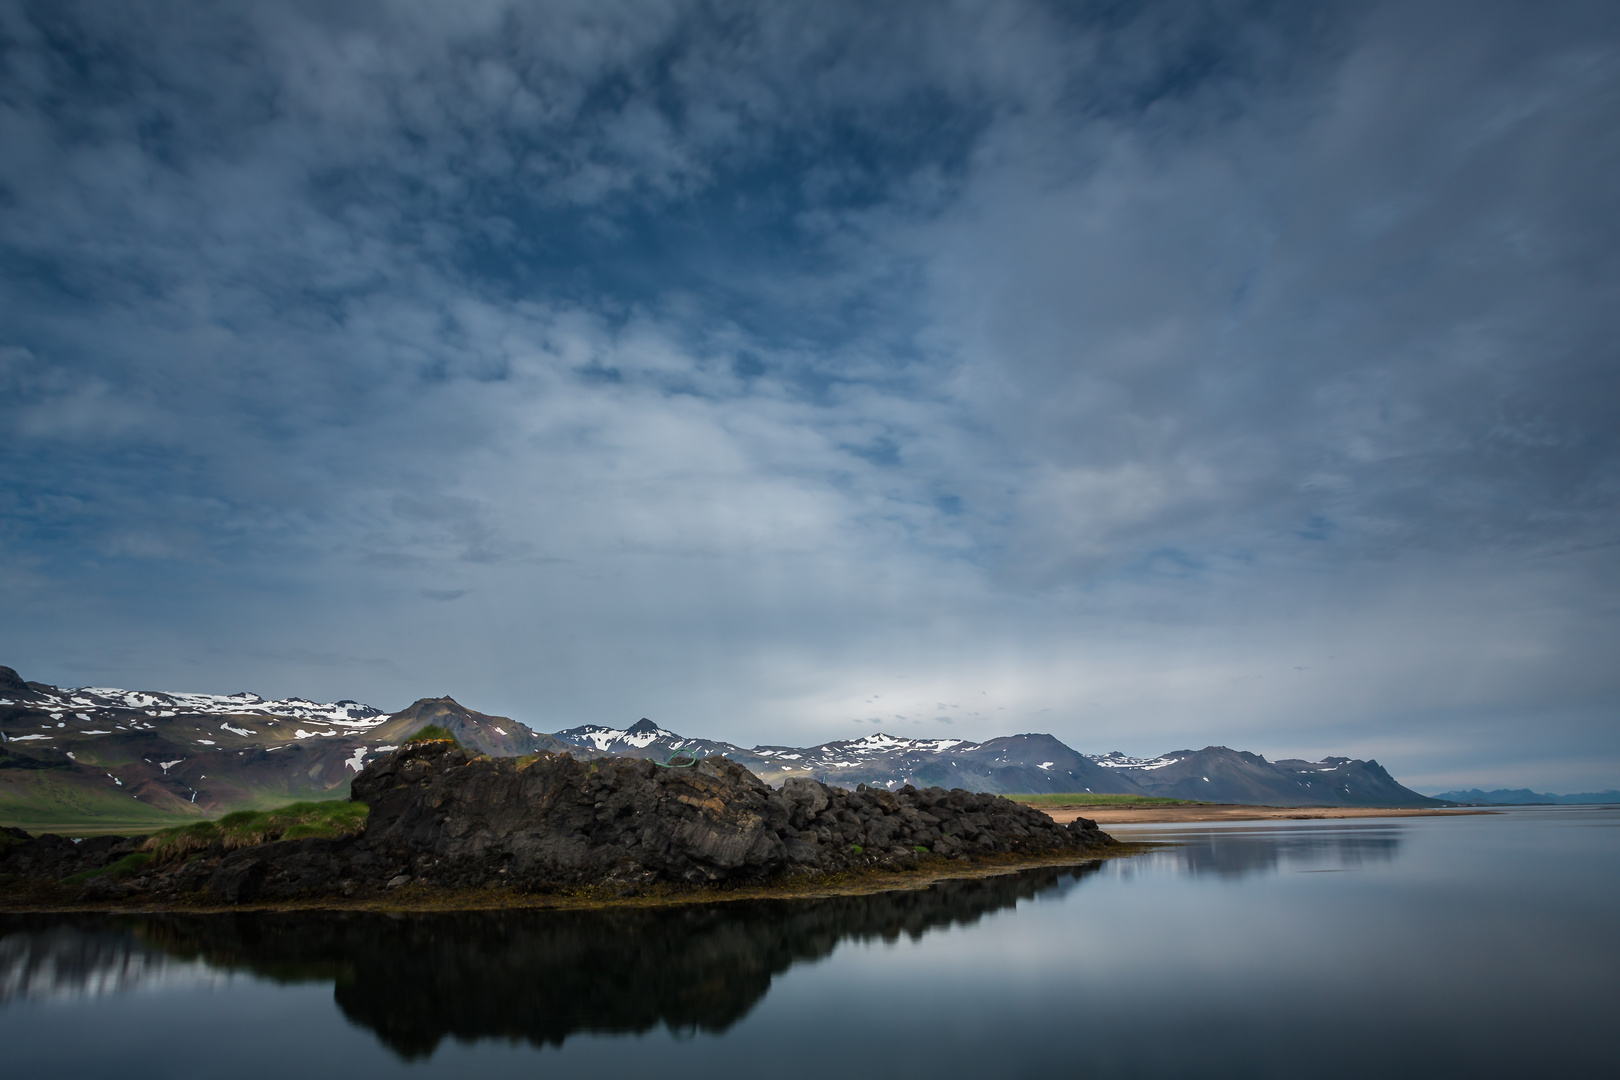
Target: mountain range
1032	764
1526	797
71	755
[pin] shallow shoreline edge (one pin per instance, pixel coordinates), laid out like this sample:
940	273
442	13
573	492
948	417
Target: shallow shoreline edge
1175	815
411	899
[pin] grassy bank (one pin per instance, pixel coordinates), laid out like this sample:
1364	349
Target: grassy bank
1087	798
244	828
40	802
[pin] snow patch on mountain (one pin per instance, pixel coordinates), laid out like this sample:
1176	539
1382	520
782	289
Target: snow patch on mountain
90	703
1117	760
852	753
606	739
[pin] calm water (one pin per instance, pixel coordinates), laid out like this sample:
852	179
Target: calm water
1484	946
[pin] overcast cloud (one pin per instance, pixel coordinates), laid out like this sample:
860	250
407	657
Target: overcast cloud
1153	375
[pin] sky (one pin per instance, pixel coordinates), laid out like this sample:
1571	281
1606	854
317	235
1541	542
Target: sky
1153	375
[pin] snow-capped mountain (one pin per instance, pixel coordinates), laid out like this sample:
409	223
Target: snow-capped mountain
91	751
91	704
1219	774
643	739
1012	763
94	748
1037	764
1117	760
1022	763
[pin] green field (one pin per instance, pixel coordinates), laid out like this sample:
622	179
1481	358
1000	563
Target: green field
89	814
1087	798
70	803
40	803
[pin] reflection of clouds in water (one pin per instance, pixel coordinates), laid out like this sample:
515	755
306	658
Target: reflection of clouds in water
542	976
65	962
1238	852
550	975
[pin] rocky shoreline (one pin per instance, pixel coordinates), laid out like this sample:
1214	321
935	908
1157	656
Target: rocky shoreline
445	822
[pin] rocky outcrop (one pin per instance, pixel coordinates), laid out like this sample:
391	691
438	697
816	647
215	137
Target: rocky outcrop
444	818
51	857
12	684
459	820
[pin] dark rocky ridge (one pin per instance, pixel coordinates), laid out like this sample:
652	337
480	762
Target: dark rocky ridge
445	819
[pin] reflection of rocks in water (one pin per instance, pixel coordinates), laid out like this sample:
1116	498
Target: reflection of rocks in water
537	976
1235	853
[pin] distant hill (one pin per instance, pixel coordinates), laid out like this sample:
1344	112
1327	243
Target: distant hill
643	739
76	756
1526	797
1032	764
97	753
1015	763
497	736
1219	774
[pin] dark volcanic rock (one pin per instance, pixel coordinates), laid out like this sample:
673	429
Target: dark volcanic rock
12	684
51	857
456	820
442	817
461	820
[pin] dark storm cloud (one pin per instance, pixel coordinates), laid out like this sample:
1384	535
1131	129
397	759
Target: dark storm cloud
1150	373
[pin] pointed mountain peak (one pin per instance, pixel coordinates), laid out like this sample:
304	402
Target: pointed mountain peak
643	726
447	702
12	683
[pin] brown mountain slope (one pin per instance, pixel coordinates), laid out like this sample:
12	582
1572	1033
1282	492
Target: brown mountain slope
497	736
79	757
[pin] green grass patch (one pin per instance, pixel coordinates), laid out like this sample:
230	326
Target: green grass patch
434	733
122	868
49	800
244	828
1087	798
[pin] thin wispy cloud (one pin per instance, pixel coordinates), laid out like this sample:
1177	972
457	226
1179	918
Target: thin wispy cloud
1150	374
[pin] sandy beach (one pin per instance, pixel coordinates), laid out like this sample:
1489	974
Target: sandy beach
1171	815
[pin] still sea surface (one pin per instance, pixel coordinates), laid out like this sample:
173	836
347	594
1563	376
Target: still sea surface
1432	947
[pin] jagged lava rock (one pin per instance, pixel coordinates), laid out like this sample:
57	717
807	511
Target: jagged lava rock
462	820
